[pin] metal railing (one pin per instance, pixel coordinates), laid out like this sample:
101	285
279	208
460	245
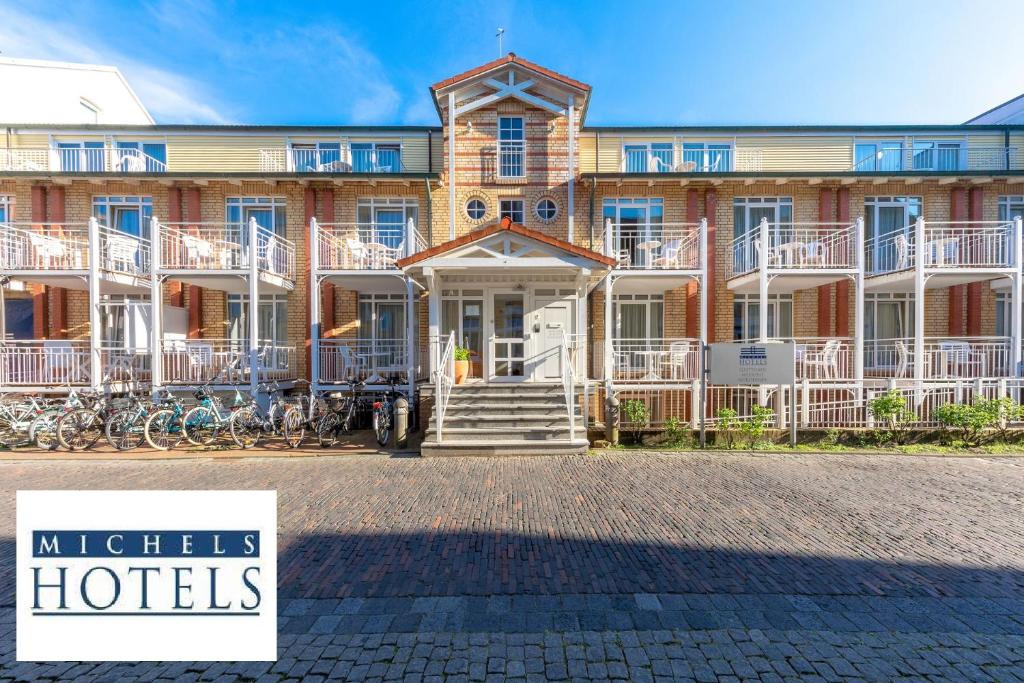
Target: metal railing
511	159
123	253
103	159
44	246
377	160
963	244
944	357
795	246
362	360
823	358
367	246
654	246
648	361
444	380
568	382
20	159
224	246
51	362
226	361
932	158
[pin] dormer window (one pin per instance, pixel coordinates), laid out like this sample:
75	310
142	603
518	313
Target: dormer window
376	157
648	157
511	147
316	157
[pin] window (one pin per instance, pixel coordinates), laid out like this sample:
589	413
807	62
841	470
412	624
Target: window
888	319
511	147
546	210
382	330
653	157
878	156
138	157
639	318
316	157
886	219
1010	207
6	208
937	156
634	221
476	209
272	324
707	157
513	209
383	220
748	212
269	213
746	316
127	214
18	319
126	321
81	156
376	157
462	313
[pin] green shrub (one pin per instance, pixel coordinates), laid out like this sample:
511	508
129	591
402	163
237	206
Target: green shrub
754	428
727	424
675	434
638	417
969	422
891	410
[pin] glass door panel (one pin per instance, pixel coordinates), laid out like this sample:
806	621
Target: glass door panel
508	346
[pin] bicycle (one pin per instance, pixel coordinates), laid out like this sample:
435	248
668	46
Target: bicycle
307	414
340	418
82	428
250	421
17	415
383	417
164	428
43	430
125	429
203	423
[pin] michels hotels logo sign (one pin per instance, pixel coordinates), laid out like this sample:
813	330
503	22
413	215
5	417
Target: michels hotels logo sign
147	575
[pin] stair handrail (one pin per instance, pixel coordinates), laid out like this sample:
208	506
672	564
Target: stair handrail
568	384
444	380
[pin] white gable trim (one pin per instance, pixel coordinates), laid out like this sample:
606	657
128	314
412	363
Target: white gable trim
510	89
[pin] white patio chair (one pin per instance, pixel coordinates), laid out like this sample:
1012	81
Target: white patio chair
131	163
687	167
197	250
47	250
122	253
902	359
671	255
773	256
825	361
60	362
357	252
678	359
815	254
351	364
624	258
270	254
902	252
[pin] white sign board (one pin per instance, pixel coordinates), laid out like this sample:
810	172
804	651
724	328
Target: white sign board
752	363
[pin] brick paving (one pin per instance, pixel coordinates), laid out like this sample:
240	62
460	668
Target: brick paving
622	566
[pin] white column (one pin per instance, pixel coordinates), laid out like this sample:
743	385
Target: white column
156	303
95	324
858	303
608	330
572	168
762	272
254	307
451	166
1016	297
410	338
433	317
410	237
919	360
609	246
314	304
698	408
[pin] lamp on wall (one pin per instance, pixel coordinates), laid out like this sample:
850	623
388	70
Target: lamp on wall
469	126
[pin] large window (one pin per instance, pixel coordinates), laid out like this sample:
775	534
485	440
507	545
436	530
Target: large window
81	156
314	157
707	157
748	212
888	330
269	212
382	329
462	313
746	316
383	220
634	222
639	318
6	208
511	147
376	157
1010	207
126	322
653	157
937	156
272	323
878	156
887	222
128	214
139	157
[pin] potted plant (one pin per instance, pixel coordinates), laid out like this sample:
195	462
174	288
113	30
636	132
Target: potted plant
461	364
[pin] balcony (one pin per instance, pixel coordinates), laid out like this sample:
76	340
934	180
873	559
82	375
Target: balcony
58	254
51	363
939	158
224	361
374	361
654	246
651	361
511	159
99	159
213	254
945	358
793	255
366	246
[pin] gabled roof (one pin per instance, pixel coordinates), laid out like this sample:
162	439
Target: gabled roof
505	226
511	58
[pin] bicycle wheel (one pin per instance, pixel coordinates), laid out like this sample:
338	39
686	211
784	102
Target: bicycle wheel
294	427
327	430
201	426
246	427
80	429
125	430
163	429
382	425
43	431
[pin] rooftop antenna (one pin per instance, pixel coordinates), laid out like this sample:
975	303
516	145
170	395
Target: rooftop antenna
498	35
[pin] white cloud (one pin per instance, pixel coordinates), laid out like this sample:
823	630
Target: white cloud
169	96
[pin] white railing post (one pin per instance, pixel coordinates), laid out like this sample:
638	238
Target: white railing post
1016	296
314	304
410	237
805	408
703	330
919	309
608	249
254	307
608	327
95	334
763	280
156	300
858	304
411	328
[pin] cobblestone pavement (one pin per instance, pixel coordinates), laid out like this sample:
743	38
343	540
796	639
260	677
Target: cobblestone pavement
644	567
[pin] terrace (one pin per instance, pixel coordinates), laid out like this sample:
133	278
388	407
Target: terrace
88	158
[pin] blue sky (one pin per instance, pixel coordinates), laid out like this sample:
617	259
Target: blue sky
687	63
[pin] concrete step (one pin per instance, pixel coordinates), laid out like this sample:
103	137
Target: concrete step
489	448
522	423
500	433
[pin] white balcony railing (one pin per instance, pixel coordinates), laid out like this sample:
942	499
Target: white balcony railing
944	357
224	246
224	361
511	159
50	362
642	361
303	160
654	246
20	159
363	360
932	158
823	358
976	244
80	159
367	246
791	246
65	246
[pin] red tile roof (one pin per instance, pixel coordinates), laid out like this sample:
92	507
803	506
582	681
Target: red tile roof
511	58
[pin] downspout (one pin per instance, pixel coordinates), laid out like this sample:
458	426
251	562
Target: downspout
430	214
593	191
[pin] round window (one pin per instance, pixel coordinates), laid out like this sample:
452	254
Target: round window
546	209
475	209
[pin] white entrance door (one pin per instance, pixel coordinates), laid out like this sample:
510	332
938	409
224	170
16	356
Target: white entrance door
508	337
555	318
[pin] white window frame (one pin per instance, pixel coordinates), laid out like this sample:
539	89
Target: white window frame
511	153
880	146
873	203
242	300
775	313
648	301
1006	204
705	149
374	147
649	156
905	300
6	208
919	145
111	203
512	200
270	203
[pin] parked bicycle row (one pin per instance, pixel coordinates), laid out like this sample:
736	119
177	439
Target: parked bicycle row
80	420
